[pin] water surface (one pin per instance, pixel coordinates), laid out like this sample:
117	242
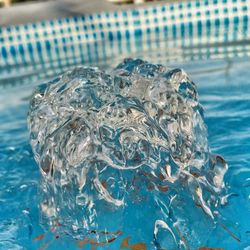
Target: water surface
223	84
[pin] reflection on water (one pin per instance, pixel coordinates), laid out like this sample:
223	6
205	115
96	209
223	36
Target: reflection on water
159	52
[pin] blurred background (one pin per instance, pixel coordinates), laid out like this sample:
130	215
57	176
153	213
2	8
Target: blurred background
7	3
24	11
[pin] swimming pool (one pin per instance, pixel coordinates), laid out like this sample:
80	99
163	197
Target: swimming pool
213	48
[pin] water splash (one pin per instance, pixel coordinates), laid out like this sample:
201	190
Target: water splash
123	149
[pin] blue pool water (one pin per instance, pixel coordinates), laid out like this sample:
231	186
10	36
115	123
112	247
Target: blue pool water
224	90
210	41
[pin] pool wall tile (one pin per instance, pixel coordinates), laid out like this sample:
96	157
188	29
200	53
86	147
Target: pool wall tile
87	38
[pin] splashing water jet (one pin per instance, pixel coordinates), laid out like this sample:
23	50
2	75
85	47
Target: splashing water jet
123	149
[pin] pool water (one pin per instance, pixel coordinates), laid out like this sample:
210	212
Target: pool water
216	56
224	90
